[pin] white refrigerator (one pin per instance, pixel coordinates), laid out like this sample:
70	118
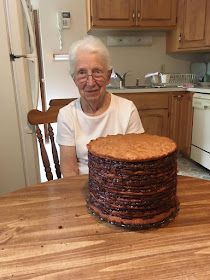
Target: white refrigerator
19	93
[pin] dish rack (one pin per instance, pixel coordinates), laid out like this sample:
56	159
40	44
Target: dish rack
180	79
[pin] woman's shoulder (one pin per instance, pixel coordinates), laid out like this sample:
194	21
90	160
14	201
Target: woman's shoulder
69	107
121	100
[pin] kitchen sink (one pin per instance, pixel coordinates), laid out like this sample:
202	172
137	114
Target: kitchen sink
130	87
142	87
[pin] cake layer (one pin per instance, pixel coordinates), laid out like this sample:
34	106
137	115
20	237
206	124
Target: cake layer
138	223
132	147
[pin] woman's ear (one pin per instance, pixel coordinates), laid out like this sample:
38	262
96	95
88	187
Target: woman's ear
109	73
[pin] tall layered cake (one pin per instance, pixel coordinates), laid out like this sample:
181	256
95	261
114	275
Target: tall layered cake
133	179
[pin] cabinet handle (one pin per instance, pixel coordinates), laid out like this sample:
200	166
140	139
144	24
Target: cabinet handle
133	15
178	97
181	37
138	15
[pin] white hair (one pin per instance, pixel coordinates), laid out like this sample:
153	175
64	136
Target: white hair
89	44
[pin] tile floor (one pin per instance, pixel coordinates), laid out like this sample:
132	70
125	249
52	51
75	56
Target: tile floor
187	167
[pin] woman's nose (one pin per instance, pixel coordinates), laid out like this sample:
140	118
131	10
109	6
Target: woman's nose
90	79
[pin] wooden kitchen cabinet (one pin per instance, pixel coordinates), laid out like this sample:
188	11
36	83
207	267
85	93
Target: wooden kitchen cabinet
166	114
153	110
156	13
193	27
111	13
131	13
155	121
180	118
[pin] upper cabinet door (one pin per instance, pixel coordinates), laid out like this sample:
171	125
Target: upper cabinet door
156	13
112	13
193	23
193	27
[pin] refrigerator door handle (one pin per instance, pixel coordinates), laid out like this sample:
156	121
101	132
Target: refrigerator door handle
35	98
15	56
32	56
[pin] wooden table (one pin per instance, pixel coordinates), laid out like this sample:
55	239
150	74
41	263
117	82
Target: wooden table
47	233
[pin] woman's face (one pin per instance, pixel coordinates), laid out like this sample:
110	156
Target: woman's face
91	76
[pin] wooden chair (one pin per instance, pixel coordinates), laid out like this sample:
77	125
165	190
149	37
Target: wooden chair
42	122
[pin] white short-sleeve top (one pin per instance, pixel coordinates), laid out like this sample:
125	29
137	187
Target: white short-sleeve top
75	128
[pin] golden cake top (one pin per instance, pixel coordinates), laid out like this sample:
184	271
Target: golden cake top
132	147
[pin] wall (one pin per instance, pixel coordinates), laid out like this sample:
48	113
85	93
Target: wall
140	60
137	60
59	84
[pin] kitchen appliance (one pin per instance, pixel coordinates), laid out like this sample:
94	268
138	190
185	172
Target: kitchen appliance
199	69
19	94
200	148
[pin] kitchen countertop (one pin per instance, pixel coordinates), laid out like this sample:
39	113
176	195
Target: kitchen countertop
47	233
152	89
201	90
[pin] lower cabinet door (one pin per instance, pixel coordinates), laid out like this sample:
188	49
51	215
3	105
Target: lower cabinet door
155	121
181	113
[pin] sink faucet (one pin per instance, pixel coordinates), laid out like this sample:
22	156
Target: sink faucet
122	78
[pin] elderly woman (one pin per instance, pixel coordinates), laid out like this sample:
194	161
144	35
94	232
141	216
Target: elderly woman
97	112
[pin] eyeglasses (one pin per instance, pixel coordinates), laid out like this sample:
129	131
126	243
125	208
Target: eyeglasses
97	74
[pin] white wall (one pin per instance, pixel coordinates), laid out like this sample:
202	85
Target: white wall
137	60
140	60
58	81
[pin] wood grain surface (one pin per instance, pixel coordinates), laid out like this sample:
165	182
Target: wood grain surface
46	232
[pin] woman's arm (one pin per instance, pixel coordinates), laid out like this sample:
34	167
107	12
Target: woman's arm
135	124
68	161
